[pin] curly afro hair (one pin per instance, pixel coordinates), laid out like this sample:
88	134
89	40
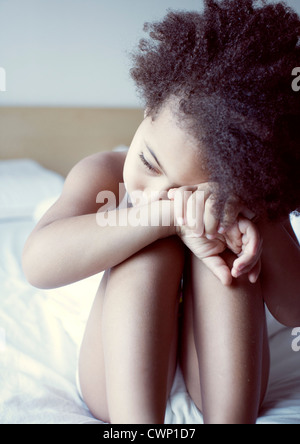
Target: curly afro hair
230	67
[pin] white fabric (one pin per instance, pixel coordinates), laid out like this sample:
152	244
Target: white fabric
23	184
40	332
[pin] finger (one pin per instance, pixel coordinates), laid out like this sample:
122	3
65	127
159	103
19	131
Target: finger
234	239
251	248
194	212
246	262
219	268
179	208
252	240
211	224
255	272
246	226
248	258
243	265
180	197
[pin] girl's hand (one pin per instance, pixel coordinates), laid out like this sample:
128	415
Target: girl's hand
198	229
209	252
248	261
184	208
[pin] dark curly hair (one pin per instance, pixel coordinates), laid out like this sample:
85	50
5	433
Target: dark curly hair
230	68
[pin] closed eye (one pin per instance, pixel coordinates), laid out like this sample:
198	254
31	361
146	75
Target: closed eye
147	164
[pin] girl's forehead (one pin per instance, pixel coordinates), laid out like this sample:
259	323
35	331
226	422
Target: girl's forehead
176	150
187	169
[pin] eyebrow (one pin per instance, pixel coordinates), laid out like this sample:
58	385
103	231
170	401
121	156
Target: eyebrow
155	158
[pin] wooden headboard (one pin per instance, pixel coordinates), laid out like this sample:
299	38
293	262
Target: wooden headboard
59	137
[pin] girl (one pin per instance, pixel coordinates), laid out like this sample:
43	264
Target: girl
221	120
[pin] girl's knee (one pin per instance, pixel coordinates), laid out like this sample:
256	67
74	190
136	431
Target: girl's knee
169	248
164	255
162	259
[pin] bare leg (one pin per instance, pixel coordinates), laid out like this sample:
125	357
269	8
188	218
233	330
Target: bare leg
91	359
128	356
224	349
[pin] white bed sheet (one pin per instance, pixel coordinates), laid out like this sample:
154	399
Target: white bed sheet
40	332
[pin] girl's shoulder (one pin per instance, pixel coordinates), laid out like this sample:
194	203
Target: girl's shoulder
96	173
100	171
110	161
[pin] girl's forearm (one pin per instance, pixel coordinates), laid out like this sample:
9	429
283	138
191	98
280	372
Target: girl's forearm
72	249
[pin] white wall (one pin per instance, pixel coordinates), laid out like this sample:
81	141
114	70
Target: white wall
75	52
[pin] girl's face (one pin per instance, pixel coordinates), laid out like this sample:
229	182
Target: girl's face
162	156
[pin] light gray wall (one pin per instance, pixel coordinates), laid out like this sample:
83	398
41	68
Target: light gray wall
75	52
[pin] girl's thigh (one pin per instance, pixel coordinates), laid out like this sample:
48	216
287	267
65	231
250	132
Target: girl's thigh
91	360
160	264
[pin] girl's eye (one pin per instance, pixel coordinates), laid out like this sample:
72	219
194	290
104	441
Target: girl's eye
147	164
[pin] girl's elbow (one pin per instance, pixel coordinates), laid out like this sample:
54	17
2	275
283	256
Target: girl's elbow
31	269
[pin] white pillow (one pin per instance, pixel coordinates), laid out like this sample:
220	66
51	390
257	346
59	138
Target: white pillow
23	185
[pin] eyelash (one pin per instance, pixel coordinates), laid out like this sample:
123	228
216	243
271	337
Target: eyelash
147	164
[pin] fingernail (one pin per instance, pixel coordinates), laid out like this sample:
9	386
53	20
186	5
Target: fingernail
234	273
253	279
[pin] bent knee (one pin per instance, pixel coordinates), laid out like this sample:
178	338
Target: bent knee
162	258
170	248
166	254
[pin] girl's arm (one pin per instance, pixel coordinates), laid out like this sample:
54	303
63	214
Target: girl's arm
69	245
281	272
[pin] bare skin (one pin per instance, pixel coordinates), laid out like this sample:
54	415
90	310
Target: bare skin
129	351
126	372
224	349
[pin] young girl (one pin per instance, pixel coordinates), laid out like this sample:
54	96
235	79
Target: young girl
221	120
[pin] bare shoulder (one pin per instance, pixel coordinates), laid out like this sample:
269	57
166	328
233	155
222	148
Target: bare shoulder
101	171
96	173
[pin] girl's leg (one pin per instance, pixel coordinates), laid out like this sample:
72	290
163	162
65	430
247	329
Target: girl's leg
91	359
128	356
224	349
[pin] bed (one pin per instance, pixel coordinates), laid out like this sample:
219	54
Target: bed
40	331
